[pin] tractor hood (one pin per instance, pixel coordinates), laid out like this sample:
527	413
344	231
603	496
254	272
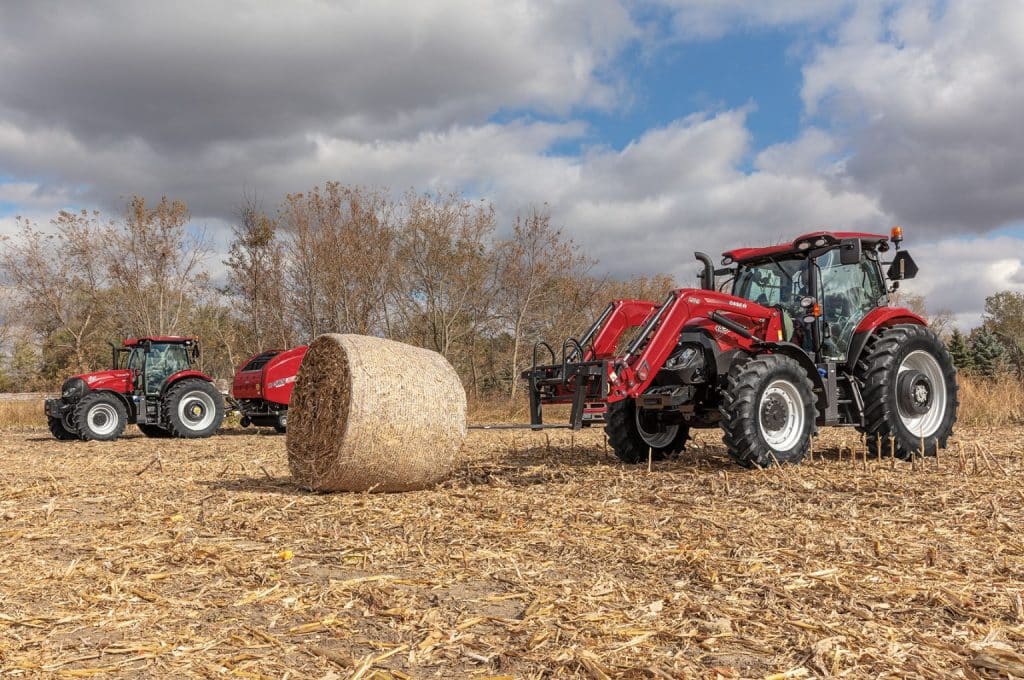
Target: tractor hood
116	380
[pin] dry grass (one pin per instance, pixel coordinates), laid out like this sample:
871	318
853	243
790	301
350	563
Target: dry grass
21	414
991	402
542	558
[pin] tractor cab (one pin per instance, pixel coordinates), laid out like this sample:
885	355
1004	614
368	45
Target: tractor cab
825	285
153	360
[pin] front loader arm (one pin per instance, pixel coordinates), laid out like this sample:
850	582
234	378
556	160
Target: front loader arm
689	308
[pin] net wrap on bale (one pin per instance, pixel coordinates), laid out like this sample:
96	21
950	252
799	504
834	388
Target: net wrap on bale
370	414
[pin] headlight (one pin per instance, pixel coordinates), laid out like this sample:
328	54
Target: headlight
73	389
687	357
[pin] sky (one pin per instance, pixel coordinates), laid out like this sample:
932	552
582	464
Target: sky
650	129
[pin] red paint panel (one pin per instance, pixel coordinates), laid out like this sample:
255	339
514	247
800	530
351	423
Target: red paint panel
117	380
888	316
744	254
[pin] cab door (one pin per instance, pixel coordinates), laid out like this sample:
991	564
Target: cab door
847	293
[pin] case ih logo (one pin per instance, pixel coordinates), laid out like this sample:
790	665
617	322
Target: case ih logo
283	381
91	379
735	303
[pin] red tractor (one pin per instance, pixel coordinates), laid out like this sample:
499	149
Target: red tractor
263	387
805	337
152	383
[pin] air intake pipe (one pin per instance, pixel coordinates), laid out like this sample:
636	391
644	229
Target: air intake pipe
707	275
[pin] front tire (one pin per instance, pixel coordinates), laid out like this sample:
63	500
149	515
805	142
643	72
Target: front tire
100	417
193	409
910	393
59	429
768	412
632	442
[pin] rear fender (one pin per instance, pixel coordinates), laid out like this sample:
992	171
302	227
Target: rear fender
878	318
176	378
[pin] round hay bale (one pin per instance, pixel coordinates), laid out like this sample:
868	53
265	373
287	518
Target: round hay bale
369	414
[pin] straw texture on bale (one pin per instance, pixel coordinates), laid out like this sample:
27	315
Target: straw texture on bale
370	414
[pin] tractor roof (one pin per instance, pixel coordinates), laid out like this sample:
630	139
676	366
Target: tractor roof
169	339
748	254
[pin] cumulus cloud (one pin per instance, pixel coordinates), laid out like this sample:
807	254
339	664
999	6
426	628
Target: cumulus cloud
957	274
927	93
911	116
706	19
184	75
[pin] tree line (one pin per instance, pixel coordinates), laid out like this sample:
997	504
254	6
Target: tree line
433	270
436	271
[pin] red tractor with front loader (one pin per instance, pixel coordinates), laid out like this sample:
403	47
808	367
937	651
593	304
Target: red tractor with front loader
263	386
798	335
152	382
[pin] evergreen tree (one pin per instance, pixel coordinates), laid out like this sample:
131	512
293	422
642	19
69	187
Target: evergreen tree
988	353
960	351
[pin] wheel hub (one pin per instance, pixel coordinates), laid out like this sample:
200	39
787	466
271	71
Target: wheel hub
195	411
914	392
774	412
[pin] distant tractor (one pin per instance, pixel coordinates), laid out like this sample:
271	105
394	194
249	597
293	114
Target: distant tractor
804	337
263	387
152	383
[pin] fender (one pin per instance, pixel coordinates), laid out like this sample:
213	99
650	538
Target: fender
880	317
806	362
182	375
123	398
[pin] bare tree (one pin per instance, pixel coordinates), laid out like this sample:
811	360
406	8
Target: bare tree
59	283
340	258
447	269
534	261
256	279
156	262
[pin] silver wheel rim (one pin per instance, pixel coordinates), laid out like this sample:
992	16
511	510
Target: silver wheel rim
656	440
928	423
196	410
102	419
787	434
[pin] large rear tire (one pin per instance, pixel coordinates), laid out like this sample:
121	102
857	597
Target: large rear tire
632	441
193	409
100	416
768	412
908	381
60	430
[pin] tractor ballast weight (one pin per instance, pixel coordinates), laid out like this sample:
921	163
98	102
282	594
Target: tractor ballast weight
152	383
805	337
263	386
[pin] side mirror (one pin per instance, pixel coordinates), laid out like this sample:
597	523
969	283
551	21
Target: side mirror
849	251
902	267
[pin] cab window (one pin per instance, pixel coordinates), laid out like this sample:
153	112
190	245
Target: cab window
848	293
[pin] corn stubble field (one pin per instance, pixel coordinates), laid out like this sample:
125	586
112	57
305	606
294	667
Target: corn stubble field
543	557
